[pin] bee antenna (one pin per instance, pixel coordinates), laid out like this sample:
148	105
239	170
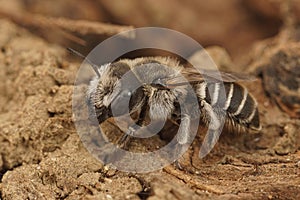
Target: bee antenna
94	66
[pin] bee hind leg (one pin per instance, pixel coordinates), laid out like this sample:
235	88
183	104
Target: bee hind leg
216	120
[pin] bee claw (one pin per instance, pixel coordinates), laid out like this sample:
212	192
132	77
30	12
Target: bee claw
123	142
178	165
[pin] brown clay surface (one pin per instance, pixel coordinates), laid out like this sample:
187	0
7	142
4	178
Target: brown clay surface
42	157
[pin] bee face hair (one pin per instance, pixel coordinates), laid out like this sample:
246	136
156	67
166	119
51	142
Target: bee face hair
103	89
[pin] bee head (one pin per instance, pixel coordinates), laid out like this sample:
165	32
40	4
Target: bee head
106	91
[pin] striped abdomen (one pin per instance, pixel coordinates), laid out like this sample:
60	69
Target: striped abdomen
234	99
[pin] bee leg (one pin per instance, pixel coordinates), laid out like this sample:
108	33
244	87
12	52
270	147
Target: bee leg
143	113
214	130
213	117
178	165
184	130
124	141
183	161
182	138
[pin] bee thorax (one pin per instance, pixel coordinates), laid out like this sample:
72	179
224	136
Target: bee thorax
161	104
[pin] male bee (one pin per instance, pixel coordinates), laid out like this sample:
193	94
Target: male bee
219	96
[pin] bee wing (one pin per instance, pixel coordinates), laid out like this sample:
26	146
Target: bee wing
192	75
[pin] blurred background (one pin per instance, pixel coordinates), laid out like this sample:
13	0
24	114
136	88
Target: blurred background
233	24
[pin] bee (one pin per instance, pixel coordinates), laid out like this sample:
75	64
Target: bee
219	95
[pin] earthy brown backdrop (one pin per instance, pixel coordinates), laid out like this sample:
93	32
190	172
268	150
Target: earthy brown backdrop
42	157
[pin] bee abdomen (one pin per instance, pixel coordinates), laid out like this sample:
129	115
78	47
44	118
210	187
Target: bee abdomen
234	99
242	106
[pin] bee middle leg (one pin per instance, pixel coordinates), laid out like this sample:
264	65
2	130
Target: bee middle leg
184	130
183	139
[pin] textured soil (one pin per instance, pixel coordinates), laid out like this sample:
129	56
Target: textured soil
42	157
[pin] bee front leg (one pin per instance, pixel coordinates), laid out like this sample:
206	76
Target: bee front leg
125	139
